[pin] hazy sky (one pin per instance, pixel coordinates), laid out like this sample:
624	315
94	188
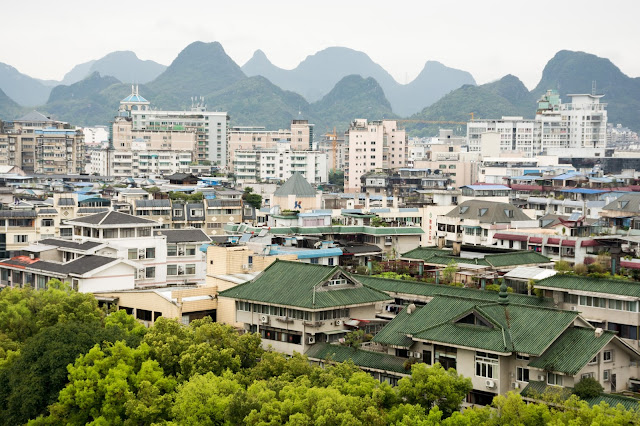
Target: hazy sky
488	38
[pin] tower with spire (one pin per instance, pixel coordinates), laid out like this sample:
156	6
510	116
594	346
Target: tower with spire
133	102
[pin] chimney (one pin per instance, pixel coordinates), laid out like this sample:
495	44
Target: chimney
410	309
599	332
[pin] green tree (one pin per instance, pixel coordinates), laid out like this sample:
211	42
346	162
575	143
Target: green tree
588	387
562	266
252	199
113	385
40	369
336	177
431	386
449	271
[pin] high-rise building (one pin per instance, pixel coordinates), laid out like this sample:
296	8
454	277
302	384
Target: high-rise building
202	132
373	145
38	144
557	128
299	137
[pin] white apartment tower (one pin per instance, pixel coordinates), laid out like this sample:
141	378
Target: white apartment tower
374	145
558	127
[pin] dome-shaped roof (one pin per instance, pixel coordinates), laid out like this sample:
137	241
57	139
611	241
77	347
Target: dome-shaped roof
134	97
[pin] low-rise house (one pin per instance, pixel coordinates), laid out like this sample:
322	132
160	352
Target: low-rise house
502	345
294	305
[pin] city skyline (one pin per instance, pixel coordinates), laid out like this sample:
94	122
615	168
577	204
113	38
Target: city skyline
487	40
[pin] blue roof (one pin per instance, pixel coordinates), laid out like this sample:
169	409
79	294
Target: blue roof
525	177
307	253
487	187
568	175
583	191
134	98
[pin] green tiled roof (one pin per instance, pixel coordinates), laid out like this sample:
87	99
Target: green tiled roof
424	289
535	389
596	285
361	358
443	257
336	230
296	185
289	283
572	350
510	331
395	332
425	253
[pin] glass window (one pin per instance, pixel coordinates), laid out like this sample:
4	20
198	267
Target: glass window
150	272
172	269
132	254
607	356
190	269
150	253
486	365
191	250
522	374
554	379
172	250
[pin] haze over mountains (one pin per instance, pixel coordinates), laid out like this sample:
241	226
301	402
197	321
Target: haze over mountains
329	88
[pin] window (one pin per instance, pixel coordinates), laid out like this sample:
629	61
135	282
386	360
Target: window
127	233
144	232
150	253
150	272
314	261
110	233
20	238
190	250
172	269
486	365
607	356
554	379
132	254
338	281
571	298
522	357
606	375
586	376
482	212
522	374
250	260
331	261
172	250
47	222
594	360
190	269
177	212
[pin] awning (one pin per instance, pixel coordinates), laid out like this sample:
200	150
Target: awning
554	241
510	237
589	243
535	240
352	323
569	243
629	264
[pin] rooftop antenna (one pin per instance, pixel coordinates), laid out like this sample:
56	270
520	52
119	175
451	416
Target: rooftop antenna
593	87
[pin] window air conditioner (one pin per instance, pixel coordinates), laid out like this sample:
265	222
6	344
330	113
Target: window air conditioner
264	319
311	340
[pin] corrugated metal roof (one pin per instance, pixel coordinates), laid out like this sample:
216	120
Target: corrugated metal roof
594	285
535	390
361	358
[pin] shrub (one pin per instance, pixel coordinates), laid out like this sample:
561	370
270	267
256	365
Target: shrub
562	266
580	269
588	388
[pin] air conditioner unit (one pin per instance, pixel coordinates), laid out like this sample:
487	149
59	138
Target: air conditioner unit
311	340
417	355
141	256
490	384
574	308
338	322
541	377
264	319
180	252
180	270
141	251
141	273
515	385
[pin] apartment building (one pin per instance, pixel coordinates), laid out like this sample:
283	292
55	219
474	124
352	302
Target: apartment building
200	131
557	128
279	164
373	145
37	144
142	161
453	161
250	138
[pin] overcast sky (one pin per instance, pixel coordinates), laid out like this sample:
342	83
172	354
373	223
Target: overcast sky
488	38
